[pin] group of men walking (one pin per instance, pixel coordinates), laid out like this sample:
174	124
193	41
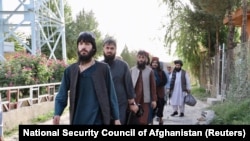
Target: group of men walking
110	92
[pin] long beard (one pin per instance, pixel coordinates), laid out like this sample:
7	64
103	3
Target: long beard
141	66
85	58
178	69
109	59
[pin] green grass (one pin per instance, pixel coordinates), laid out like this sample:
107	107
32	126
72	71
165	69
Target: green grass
39	119
10	132
43	118
200	93
232	112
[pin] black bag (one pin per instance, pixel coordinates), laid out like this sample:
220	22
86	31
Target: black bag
140	111
132	118
190	100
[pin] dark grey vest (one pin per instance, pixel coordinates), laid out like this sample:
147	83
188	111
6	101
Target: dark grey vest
99	79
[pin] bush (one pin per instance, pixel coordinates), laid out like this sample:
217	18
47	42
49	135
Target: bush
57	68
200	93
26	69
232	112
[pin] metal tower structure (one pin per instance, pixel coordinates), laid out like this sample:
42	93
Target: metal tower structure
46	27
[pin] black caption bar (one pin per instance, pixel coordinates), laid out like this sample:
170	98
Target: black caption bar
32	132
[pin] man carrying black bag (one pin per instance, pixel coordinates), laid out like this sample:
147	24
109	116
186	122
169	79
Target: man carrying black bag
132	118
180	86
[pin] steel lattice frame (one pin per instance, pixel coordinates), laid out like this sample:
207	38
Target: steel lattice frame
37	16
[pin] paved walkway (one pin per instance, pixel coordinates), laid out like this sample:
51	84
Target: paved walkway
193	116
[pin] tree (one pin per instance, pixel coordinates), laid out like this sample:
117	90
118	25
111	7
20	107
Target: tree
129	57
17	45
244	22
85	21
197	26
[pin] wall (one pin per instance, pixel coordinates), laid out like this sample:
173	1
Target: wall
24	115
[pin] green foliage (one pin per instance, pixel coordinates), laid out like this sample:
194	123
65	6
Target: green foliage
26	69
232	112
71	61
10	132
129	57
215	7
43	118
57	68
194	27
17	45
48	30
39	119
200	93
84	21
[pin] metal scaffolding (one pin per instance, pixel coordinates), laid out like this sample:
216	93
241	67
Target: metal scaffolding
45	26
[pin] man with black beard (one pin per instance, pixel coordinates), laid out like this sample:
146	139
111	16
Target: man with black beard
145	86
92	96
122	79
179	87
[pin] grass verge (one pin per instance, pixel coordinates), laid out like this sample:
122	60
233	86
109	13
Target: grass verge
232	112
39	119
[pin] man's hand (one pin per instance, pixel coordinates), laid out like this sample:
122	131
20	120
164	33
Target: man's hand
117	122
153	104
56	120
134	108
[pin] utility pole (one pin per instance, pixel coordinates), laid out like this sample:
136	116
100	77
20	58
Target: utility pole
45	26
1	33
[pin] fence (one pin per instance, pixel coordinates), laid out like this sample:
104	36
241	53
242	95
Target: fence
30	100
22	96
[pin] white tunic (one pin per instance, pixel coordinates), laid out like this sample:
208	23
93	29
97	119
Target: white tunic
177	97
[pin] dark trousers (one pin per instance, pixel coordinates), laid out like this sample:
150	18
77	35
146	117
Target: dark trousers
160	107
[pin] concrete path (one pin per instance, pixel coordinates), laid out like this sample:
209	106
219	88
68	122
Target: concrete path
197	115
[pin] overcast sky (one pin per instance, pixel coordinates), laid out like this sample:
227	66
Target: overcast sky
136	23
